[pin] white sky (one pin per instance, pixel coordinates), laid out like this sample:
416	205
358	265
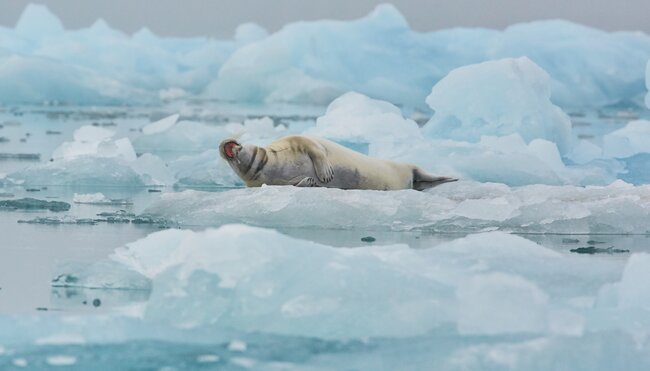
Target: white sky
220	17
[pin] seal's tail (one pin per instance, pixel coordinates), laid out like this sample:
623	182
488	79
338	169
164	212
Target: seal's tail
423	180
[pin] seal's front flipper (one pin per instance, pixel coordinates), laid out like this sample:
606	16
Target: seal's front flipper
307	182
423	180
322	166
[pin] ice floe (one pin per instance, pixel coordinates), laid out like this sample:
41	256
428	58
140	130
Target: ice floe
458	207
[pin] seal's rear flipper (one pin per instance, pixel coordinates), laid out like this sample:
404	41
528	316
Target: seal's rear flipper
307	182
423	180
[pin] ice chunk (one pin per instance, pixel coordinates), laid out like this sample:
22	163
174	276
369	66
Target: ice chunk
500	303
204	170
630	140
100	275
81	171
497	98
355	118
37	21
584	152
462	206
95	141
153	170
634	288
160	125
90	198
34	204
98	199
90	133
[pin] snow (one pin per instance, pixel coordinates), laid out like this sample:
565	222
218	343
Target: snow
497	98
459	207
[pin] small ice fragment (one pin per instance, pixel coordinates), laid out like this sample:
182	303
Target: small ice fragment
89	133
89	198
61	360
98	199
207	358
237	346
20	362
60	339
243	362
160	125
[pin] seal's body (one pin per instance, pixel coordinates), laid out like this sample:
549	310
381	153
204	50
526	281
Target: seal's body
315	162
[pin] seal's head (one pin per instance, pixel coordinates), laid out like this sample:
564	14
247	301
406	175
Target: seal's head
239	157
229	149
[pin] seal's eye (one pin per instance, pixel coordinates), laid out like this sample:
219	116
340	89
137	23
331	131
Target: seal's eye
227	148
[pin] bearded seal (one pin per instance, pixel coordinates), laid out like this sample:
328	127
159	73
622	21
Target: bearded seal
304	161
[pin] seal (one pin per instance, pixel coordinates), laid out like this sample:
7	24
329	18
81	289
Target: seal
305	161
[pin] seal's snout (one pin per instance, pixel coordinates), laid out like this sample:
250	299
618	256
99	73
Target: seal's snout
229	148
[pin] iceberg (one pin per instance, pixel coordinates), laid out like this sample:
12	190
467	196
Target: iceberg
497	98
99	65
27	79
318	61
460	207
